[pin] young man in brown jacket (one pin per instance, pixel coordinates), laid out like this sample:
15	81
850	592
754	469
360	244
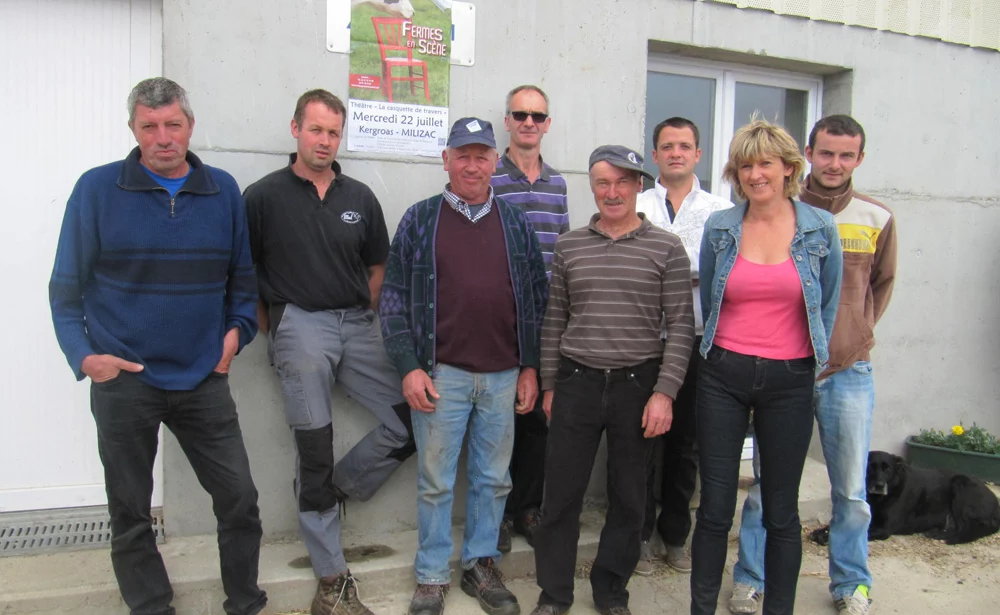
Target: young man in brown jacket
845	391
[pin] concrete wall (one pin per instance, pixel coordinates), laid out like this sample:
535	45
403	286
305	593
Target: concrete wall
928	108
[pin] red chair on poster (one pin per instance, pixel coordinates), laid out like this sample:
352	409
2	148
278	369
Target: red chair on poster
389	31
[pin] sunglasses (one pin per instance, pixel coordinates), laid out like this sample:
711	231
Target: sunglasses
536	117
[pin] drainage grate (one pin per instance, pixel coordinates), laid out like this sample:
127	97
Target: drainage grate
26	533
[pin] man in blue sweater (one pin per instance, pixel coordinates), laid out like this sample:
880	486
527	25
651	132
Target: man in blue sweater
153	293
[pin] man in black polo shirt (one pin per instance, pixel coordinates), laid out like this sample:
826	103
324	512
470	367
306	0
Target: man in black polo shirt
319	241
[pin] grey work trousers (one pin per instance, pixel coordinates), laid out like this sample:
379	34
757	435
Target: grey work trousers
312	351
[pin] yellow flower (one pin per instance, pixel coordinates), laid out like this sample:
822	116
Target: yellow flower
957	430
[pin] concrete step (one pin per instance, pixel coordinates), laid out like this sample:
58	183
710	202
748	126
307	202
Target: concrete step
82	582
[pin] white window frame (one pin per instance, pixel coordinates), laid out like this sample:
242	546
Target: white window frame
726	76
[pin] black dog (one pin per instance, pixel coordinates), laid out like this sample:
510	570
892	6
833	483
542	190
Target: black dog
908	500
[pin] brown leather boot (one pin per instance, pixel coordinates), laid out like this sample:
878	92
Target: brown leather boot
338	595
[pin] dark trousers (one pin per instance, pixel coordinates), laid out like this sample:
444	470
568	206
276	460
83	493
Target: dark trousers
587	403
527	463
680	466
781	395
128	414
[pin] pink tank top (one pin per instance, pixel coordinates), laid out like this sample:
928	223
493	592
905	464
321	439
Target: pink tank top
763	312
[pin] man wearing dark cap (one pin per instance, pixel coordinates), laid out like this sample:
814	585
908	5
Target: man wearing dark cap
605	369
461	311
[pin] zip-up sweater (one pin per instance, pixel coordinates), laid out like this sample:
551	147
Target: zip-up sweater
409	290
150	278
868	238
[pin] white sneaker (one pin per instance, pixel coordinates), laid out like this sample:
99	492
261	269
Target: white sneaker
855	604
645	566
745	599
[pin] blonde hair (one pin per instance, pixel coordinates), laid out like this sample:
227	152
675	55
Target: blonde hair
760	139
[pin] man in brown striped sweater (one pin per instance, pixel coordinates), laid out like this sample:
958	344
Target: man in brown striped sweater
605	369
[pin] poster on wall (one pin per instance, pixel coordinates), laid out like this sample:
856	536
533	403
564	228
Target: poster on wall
399	76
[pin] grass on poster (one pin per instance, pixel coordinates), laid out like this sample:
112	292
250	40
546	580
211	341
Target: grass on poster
366	60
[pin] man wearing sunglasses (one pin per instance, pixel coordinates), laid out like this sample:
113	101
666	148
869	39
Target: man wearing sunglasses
522	178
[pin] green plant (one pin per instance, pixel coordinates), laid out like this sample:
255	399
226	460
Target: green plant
974	439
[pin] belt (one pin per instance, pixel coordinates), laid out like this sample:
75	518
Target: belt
612	374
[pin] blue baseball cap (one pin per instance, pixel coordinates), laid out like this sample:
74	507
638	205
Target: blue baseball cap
469	130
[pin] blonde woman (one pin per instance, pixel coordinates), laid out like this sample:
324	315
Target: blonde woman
770	271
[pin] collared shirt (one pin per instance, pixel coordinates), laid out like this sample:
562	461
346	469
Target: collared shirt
464	208
544	201
310	251
688	224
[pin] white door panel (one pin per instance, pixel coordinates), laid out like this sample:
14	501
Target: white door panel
67	70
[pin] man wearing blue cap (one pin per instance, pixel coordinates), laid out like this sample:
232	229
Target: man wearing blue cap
461	311
606	371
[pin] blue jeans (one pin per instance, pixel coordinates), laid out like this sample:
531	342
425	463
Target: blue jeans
844	404
484	403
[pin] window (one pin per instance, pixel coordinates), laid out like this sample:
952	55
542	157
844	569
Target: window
719	98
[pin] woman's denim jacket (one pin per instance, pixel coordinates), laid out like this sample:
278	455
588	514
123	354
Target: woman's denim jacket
818	259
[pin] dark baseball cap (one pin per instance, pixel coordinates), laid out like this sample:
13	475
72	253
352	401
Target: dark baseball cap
469	130
619	156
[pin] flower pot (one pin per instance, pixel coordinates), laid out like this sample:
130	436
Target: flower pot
986	467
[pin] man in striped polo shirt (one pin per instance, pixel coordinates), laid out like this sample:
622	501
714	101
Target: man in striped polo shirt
606	369
522	178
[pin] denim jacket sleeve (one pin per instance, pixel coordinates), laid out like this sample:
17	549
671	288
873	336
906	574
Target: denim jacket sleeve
831	273
706	268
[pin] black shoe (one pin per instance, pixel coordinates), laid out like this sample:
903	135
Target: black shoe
503	538
526	524
613	610
484	581
428	600
550	609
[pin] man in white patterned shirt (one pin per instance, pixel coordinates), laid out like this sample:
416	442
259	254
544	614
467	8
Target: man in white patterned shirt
679	205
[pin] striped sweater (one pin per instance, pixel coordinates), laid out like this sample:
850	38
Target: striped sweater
150	278
544	202
607	299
